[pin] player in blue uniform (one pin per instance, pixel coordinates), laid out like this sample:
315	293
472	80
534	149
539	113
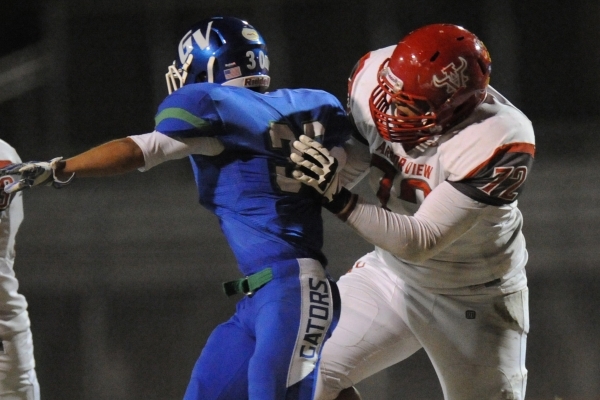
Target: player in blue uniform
238	140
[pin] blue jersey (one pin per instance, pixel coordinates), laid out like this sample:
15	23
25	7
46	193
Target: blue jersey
265	214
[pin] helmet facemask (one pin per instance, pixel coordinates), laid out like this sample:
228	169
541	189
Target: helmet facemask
398	115
176	76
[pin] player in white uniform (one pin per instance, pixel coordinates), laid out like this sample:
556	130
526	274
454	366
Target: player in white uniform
18	380
447	156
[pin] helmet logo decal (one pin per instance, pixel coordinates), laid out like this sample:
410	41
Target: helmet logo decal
397	83
250	34
454	77
186	46
255	81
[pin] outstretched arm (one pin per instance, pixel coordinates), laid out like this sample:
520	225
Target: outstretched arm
119	156
115	157
445	215
112	158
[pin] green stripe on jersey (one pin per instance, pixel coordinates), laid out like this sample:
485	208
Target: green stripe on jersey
180	113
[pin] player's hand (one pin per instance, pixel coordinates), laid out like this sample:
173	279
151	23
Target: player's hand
33	173
318	169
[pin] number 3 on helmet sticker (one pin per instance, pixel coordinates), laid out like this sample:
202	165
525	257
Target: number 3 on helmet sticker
263	60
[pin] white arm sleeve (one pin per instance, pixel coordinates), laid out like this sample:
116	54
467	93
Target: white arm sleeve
445	215
158	148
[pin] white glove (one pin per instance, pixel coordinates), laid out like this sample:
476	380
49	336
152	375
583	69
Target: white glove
33	173
316	167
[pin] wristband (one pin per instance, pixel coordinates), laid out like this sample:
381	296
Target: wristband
343	203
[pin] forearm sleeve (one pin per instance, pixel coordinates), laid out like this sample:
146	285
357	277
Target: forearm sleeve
158	148
444	216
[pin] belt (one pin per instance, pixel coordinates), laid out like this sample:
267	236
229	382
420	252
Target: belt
495	282
249	284
492	283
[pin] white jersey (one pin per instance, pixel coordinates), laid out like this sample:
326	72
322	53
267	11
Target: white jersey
17	363
13	307
473	175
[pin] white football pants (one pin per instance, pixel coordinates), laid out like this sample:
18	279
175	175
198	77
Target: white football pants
476	342
18	380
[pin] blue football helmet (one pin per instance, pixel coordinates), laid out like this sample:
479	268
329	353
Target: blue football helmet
223	50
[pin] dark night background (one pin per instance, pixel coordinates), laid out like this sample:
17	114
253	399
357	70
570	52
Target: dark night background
123	274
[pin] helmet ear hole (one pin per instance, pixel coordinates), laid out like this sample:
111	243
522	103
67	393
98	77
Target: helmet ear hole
201	77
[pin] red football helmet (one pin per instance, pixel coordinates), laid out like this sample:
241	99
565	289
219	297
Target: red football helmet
435	77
